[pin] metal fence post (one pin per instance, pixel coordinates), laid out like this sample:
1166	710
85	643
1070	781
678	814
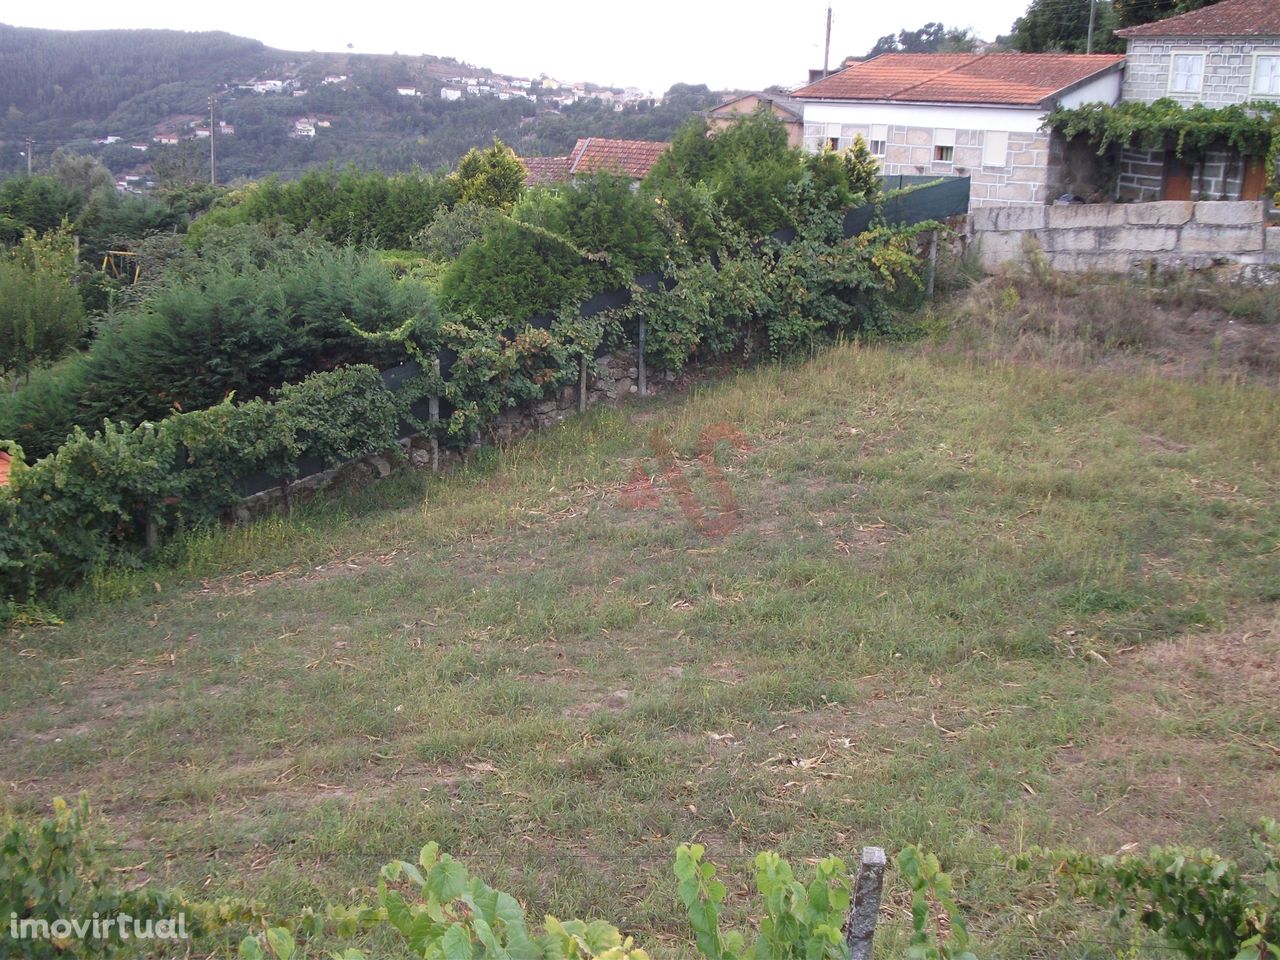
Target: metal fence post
433	414
860	931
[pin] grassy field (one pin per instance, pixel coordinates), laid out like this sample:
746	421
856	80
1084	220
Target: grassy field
968	602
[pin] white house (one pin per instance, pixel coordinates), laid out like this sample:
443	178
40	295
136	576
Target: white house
450	93
407	91
959	114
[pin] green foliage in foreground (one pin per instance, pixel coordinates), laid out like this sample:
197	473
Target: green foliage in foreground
53	870
1204	906
98	494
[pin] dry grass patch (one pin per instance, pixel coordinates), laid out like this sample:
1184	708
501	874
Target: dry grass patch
1190	744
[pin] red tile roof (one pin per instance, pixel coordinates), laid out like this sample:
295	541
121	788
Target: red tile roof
631	158
4	468
1013	79
1227	18
539	171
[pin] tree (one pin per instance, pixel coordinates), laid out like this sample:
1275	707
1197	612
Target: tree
41	314
492	177
1063	26
1130	13
37	203
931	38
83	174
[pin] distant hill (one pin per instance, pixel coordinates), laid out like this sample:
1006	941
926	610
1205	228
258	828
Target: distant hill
75	88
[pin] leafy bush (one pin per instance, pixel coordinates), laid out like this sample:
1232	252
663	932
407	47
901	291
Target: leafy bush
775	297
492	177
53	870
41	313
557	248
35	203
96	495
232	325
751	173
1206	907
348	207
799	923
453	231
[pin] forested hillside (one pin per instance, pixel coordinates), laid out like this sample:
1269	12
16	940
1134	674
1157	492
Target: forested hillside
71	88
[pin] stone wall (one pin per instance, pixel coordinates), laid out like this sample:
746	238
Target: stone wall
1115	238
615	378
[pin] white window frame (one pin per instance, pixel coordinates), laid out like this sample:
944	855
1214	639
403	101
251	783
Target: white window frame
988	143
1253	82
1202	55
882	140
944	137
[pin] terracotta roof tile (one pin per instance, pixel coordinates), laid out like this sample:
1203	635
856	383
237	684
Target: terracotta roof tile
1015	79
1227	18
631	158
539	171
4	468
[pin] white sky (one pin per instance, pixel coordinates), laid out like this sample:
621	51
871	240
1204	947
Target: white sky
747	44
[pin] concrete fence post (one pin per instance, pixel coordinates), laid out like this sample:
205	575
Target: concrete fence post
582	383
433	414
641	379
933	262
860	931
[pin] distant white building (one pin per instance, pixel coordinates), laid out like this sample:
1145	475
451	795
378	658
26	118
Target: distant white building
334	78
107	139
450	93
407	91
304	128
267	86
166	139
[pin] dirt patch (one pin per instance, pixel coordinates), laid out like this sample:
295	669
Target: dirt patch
1191	742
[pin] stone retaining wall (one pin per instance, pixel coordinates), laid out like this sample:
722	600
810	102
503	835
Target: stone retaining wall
1115	238
615	378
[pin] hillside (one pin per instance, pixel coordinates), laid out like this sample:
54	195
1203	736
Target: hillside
979	597
73	88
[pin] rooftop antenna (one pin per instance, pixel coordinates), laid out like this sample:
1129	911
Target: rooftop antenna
826	50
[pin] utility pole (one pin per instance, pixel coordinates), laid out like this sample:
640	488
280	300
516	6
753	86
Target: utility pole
213	135
30	148
1088	44
826	50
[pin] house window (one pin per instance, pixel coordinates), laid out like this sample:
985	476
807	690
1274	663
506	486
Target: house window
879	139
1266	76
1188	73
995	148
944	145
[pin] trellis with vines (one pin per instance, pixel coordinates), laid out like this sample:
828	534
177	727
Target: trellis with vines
1251	129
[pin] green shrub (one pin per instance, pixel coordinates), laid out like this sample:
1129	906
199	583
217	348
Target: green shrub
241	322
95	497
353	206
41	313
1204	906
556	250
55	870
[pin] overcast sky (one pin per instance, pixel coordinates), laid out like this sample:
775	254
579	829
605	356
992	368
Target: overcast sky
748	44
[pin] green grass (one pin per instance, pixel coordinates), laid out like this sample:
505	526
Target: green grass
957	611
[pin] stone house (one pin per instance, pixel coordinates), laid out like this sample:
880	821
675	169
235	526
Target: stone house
976	115
1227	53
786	109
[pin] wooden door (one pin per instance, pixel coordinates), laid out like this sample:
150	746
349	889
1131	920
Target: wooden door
1178	176
1253	186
